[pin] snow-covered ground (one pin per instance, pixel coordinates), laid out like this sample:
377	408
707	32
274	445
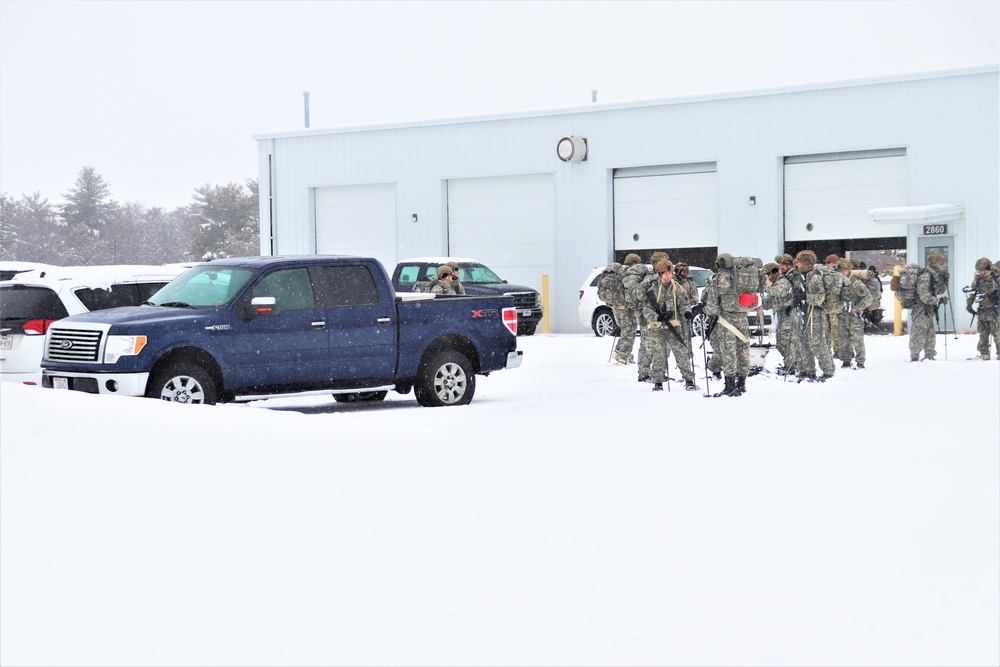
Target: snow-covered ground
567	516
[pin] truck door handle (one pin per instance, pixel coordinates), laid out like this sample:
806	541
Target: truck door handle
383	320
318	325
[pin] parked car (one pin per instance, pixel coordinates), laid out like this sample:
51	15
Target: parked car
597	315
478	280
33	300
10	268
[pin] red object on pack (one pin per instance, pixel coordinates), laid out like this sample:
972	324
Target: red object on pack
749	300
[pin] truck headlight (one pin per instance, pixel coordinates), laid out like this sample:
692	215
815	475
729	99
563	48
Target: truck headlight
122	346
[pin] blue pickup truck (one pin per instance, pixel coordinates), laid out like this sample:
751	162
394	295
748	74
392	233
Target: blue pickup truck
254	327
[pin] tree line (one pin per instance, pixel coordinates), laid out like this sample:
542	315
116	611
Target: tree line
90	227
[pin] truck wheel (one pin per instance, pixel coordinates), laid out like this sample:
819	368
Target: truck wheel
183	382
604	323
698	324
361	397
447	379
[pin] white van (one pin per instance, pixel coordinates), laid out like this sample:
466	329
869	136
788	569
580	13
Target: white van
32	301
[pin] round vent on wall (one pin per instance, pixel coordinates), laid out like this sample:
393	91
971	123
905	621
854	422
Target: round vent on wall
572	149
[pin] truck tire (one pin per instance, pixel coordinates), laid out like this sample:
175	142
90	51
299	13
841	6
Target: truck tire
446	379
361	397
183	382
603	323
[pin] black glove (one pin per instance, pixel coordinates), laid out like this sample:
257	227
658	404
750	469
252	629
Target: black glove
945	275
698	309
788	310
943	301
688	315
663	317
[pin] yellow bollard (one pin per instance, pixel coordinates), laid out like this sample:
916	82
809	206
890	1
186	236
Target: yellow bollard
545	303
897	309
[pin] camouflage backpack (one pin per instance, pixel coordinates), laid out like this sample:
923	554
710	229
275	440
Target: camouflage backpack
833	286
610	289
874	284
905	285
423	284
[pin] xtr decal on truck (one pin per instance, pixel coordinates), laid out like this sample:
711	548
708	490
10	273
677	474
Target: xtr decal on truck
248	328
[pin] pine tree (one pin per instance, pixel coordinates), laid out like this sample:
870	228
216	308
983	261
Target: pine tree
87	212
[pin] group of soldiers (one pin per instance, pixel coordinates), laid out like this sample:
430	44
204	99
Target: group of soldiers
819	311
445	281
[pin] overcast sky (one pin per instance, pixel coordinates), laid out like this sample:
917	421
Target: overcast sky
163	97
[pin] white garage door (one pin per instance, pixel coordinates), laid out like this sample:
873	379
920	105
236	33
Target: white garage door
357	220
667	207
507	223
829	196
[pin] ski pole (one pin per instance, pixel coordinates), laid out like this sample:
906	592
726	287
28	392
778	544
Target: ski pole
951	305
614	344
704	354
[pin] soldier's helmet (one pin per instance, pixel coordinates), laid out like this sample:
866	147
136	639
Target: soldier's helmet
631	259
771	267
681	268
936	260
724	261
983	264
832	259
806	257
444	270
843	264
784	258
663	266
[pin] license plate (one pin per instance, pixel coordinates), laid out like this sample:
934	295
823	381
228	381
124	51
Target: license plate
526	313
60	383
6	343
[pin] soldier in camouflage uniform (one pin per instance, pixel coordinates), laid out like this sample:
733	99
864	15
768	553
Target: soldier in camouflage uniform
852	326
634	272
923	332
442	285
714	337
733	327
831	263
682	277
984	287
645	361
816	323
455	283
778	298
666	305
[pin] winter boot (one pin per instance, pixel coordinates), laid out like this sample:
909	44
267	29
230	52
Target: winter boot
689	385
658	386
860	365
730	386
846	364
740	386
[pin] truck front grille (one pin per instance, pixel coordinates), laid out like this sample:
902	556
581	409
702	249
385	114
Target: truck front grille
523	300
73	345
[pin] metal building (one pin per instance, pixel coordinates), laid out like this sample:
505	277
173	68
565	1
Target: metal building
907	162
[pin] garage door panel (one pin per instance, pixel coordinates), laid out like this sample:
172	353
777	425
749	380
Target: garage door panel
667	210
835	196
357	220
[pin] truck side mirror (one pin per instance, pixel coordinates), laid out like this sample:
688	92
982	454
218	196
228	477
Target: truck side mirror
260	306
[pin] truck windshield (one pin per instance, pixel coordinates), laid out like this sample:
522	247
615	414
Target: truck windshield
477	273
202	287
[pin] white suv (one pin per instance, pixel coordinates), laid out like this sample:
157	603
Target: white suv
597	315
32	301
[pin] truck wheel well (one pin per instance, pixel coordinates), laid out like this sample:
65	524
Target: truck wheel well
193	355
453	342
